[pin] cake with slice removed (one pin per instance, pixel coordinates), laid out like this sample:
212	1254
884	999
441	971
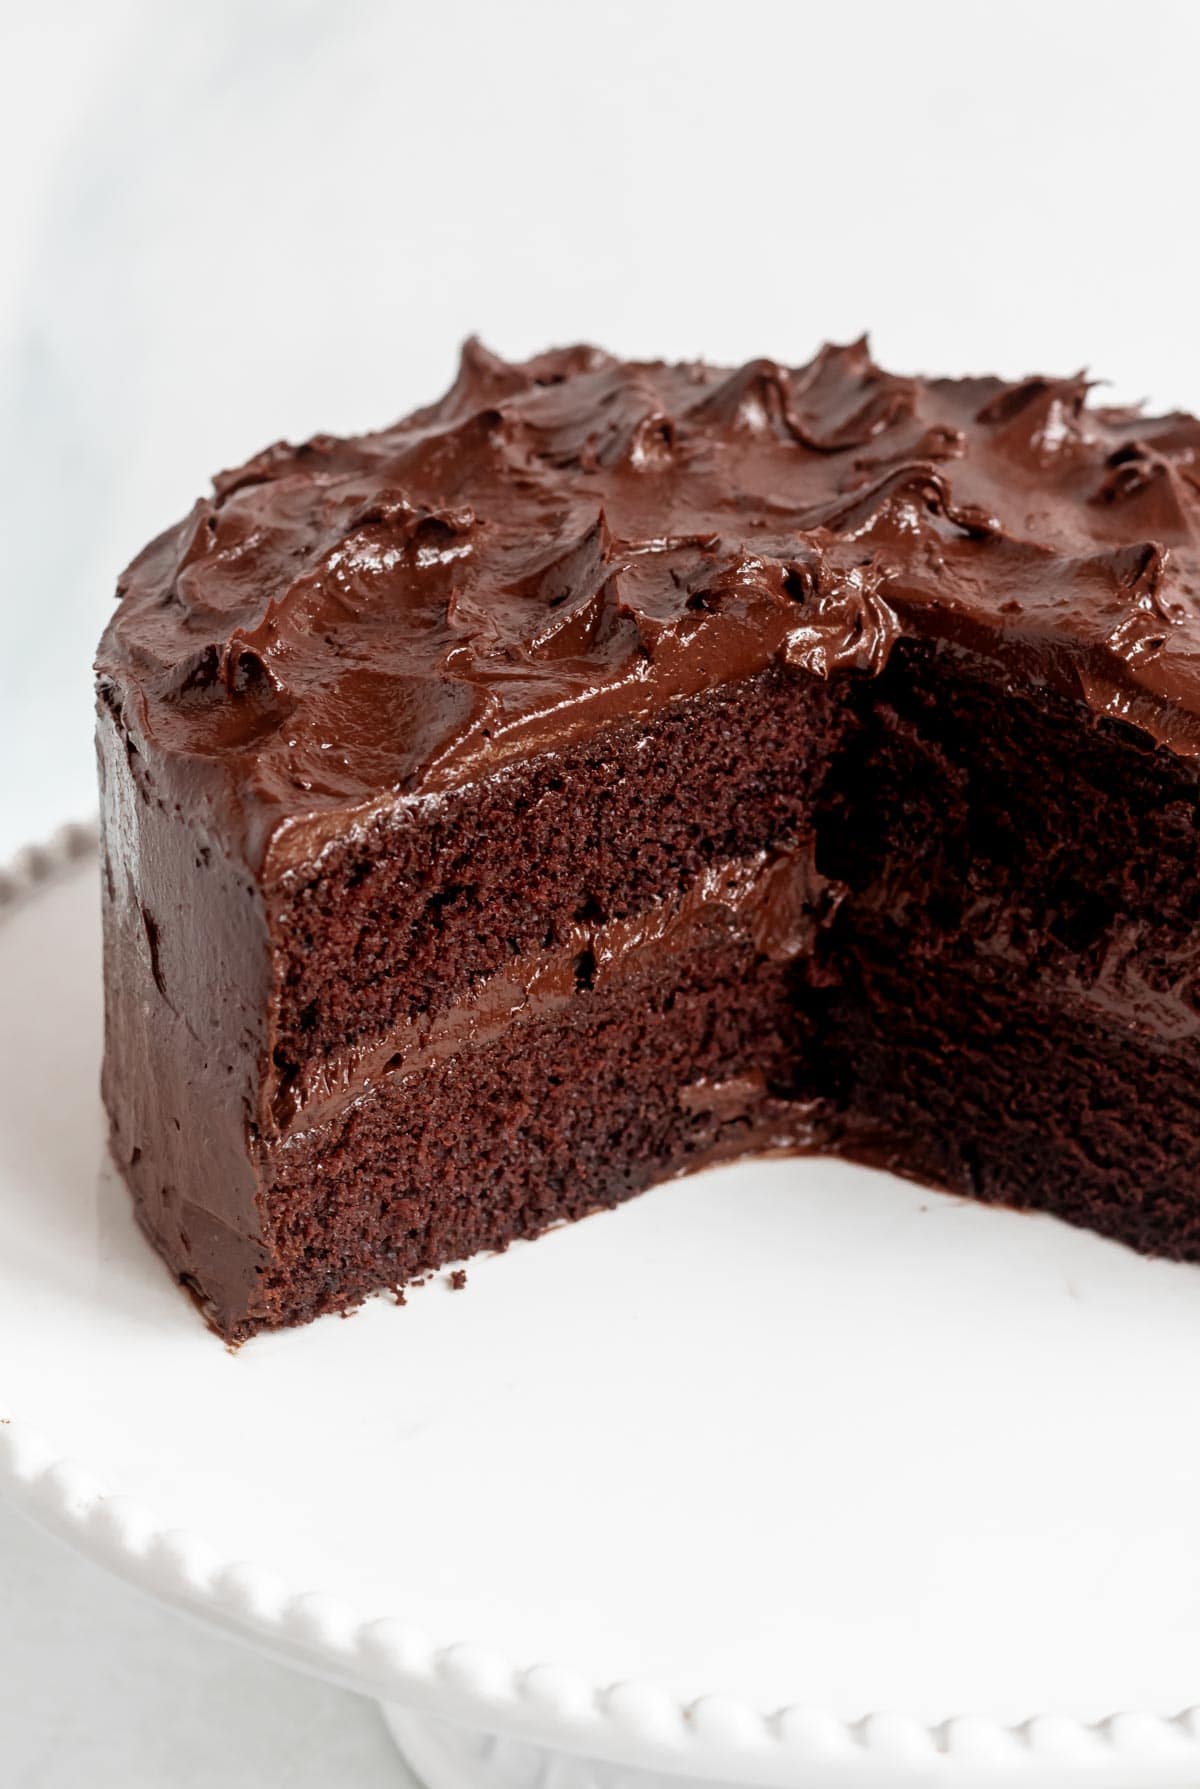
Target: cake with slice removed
616	768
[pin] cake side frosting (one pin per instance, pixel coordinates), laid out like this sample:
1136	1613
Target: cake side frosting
578	539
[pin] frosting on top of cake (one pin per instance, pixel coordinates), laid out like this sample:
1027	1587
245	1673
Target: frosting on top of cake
578	538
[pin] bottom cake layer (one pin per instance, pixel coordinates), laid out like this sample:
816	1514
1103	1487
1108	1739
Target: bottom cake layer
979	1083
667	1071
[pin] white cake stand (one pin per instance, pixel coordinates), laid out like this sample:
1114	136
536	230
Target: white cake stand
700	1489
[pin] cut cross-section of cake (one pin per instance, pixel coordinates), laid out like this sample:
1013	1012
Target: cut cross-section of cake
616	768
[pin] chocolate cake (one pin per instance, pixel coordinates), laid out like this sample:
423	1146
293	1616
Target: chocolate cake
616	768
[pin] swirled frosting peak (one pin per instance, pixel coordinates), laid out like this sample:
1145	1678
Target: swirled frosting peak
578	538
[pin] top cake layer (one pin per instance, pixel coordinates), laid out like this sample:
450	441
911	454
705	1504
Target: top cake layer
578	538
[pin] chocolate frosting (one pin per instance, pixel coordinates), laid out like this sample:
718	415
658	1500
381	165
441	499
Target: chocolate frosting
351	622
778	900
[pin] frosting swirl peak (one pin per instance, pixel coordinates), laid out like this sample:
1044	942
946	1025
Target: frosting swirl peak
384	617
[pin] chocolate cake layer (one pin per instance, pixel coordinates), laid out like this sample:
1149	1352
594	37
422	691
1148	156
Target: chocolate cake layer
969	1080
405	916
777	901
984	823
509	725
650	1074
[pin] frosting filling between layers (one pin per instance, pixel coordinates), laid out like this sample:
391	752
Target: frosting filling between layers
778	899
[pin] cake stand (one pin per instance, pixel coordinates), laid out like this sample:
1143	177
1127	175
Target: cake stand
788	1474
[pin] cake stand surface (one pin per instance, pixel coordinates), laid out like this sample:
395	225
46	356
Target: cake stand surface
788	1474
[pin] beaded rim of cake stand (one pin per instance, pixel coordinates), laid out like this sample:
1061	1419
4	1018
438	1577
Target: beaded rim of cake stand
631	1723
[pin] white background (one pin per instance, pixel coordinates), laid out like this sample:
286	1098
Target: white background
223	223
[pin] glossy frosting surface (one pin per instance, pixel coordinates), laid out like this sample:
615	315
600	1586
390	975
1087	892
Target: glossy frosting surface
580	538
